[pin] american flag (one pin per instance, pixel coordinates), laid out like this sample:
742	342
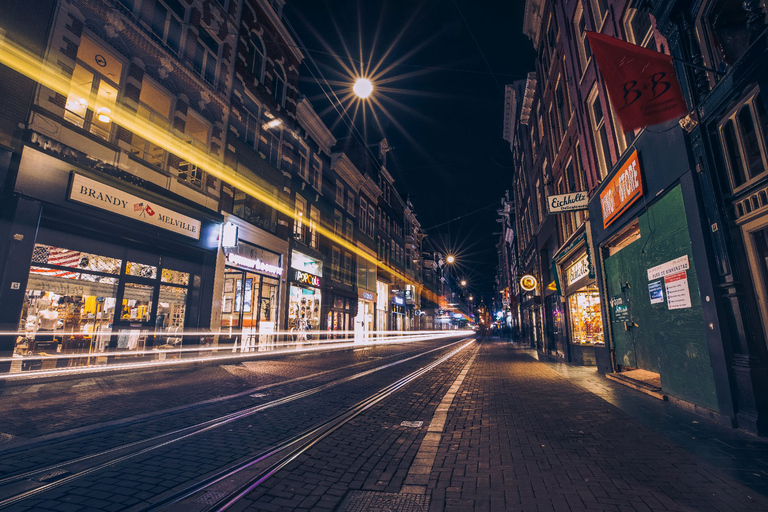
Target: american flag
60	257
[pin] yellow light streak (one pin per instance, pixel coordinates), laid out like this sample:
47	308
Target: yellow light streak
47	75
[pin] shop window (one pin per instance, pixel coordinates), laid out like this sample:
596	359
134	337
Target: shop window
256	57
93	90
155	109
140	270
137	303
174	277
206	53
741	137
167	21
638	27
586	316
279	85
599	133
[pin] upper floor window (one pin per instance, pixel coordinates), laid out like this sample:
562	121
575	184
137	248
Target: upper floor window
167	21
299	221
337	222
206	53
93	89
314	221
723	32
198	132
256	58
270	138
350	202
278	85
600	12
339	193
639	28
349	229
585	53
155	108
742	138
302	160
599	133
316	173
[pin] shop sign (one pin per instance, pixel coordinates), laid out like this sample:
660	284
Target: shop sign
620	308
578	270
399	301
528	282
567	202
656	292
367	296
306	278
251	264
669	268
678	294
625	188
93	193
408	294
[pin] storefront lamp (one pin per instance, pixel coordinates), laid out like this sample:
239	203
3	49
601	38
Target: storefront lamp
528	283
229	235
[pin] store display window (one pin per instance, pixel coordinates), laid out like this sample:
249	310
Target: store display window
303	309
586	317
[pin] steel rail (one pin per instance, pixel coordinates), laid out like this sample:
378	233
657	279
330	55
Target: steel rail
303	441
168	438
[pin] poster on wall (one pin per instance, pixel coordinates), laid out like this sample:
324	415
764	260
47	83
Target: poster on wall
656	292
620	308
678	294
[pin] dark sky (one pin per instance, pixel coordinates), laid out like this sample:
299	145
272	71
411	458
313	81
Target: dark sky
447	101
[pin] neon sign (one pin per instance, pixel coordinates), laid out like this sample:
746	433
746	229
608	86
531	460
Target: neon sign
307	278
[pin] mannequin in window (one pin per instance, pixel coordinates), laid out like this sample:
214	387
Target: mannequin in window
48	320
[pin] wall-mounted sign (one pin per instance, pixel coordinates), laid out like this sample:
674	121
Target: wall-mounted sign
567	202
229	235
306	278
368	296
678	294
625	188
251	264
656	292
94	193
620	308
578	270
398	300
669	268
528	282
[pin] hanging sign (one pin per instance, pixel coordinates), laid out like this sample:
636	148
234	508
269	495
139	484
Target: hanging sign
567	202
678	294
623	190
94	193
528	282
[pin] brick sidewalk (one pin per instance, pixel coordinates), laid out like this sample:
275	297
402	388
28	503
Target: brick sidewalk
518	437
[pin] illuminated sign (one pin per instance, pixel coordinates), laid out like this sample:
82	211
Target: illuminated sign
367	296
567	202
229	235
578	270
257	265
306	278
399	301
625	188
528	283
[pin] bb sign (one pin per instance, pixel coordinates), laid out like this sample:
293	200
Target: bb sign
567	202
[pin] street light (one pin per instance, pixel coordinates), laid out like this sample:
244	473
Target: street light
363	87
463	282
451	258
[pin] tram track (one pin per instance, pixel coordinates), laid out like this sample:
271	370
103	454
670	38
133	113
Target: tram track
23	486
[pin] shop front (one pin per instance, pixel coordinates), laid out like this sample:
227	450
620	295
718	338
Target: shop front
398	313
304	295
109	265
251	290
382	306
582	300
366	308
341	312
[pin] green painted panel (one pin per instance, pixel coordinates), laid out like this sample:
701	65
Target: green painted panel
670	342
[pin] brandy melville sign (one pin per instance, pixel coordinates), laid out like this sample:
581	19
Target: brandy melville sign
94	193
625	188
567	202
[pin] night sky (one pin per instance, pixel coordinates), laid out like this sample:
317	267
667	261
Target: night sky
446	99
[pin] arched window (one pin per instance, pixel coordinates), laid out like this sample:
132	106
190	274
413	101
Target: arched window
256	56
278	86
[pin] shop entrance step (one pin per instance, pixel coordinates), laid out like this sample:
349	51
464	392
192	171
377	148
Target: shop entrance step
641	380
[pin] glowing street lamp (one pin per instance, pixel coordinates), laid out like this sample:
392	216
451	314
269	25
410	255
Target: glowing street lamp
450	259
463	282
363	87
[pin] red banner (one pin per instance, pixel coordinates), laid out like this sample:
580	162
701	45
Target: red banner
641	83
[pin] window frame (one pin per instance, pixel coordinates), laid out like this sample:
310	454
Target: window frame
749	101
604	167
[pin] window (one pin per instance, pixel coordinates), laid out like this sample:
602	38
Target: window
339	193
314	221
197	132
371	220
742	139
599	11
337	220
270	138
167	20
155	108
347	268
562	107
362	219
302	160
723	32
599	133
255	57
349	229
278	85
335	263
639	28
316	173
252	128
585	53
299	222
350	202
206	53
254	211
93	89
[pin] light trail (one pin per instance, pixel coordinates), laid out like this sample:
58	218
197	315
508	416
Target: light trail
51	77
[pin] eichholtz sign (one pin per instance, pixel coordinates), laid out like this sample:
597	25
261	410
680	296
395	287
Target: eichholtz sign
567	202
